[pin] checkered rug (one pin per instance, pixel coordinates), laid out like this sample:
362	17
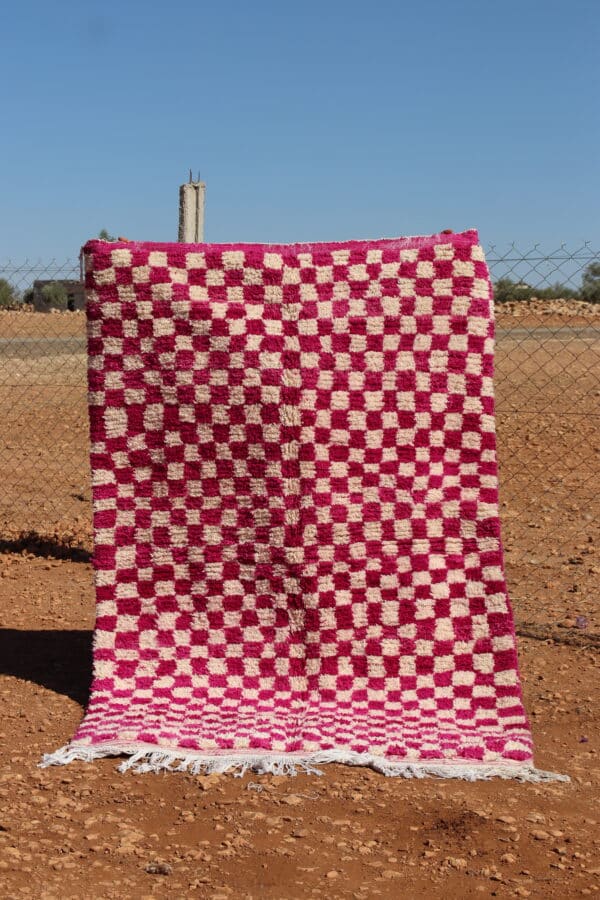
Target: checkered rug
297	545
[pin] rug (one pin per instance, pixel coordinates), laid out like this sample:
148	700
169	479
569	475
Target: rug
297	551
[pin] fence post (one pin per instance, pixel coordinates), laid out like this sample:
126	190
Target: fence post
191	212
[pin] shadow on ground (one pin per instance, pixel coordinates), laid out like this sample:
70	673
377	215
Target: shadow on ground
58	660
52	547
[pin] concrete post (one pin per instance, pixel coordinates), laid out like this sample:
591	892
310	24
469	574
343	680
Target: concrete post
191	212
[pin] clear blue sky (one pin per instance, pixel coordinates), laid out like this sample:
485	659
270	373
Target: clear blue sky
308	121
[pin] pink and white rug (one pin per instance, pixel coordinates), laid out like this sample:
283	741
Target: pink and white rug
297	543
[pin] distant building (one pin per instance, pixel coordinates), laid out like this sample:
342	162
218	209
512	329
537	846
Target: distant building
73	288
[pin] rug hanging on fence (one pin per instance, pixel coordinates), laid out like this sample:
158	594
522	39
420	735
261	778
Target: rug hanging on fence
297	543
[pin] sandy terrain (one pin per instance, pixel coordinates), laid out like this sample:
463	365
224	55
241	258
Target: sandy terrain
89	831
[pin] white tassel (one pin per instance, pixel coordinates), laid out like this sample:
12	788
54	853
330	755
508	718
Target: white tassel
142	759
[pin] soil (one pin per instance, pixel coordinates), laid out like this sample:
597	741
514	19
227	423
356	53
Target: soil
86	830
24	322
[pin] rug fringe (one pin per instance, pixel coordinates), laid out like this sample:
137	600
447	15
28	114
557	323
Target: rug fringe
148	759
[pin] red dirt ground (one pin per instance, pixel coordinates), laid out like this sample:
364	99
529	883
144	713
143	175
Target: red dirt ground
86	830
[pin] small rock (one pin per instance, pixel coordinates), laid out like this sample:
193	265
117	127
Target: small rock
536	817
291	799
158	868
206	782
539	835
508	820
508	858
456	862
333	874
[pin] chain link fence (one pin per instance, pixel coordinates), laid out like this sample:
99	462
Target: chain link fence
547	403
44	473
547	387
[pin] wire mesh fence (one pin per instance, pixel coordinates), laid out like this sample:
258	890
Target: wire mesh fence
547	393
44	475
547	385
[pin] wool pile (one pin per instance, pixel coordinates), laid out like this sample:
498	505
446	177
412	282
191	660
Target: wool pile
297	553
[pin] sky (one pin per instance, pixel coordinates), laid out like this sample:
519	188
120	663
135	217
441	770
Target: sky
325	120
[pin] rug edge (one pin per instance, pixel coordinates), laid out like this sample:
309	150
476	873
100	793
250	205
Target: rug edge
469	236
149	758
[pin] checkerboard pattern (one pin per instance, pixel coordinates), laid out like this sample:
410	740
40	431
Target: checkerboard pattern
297	542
